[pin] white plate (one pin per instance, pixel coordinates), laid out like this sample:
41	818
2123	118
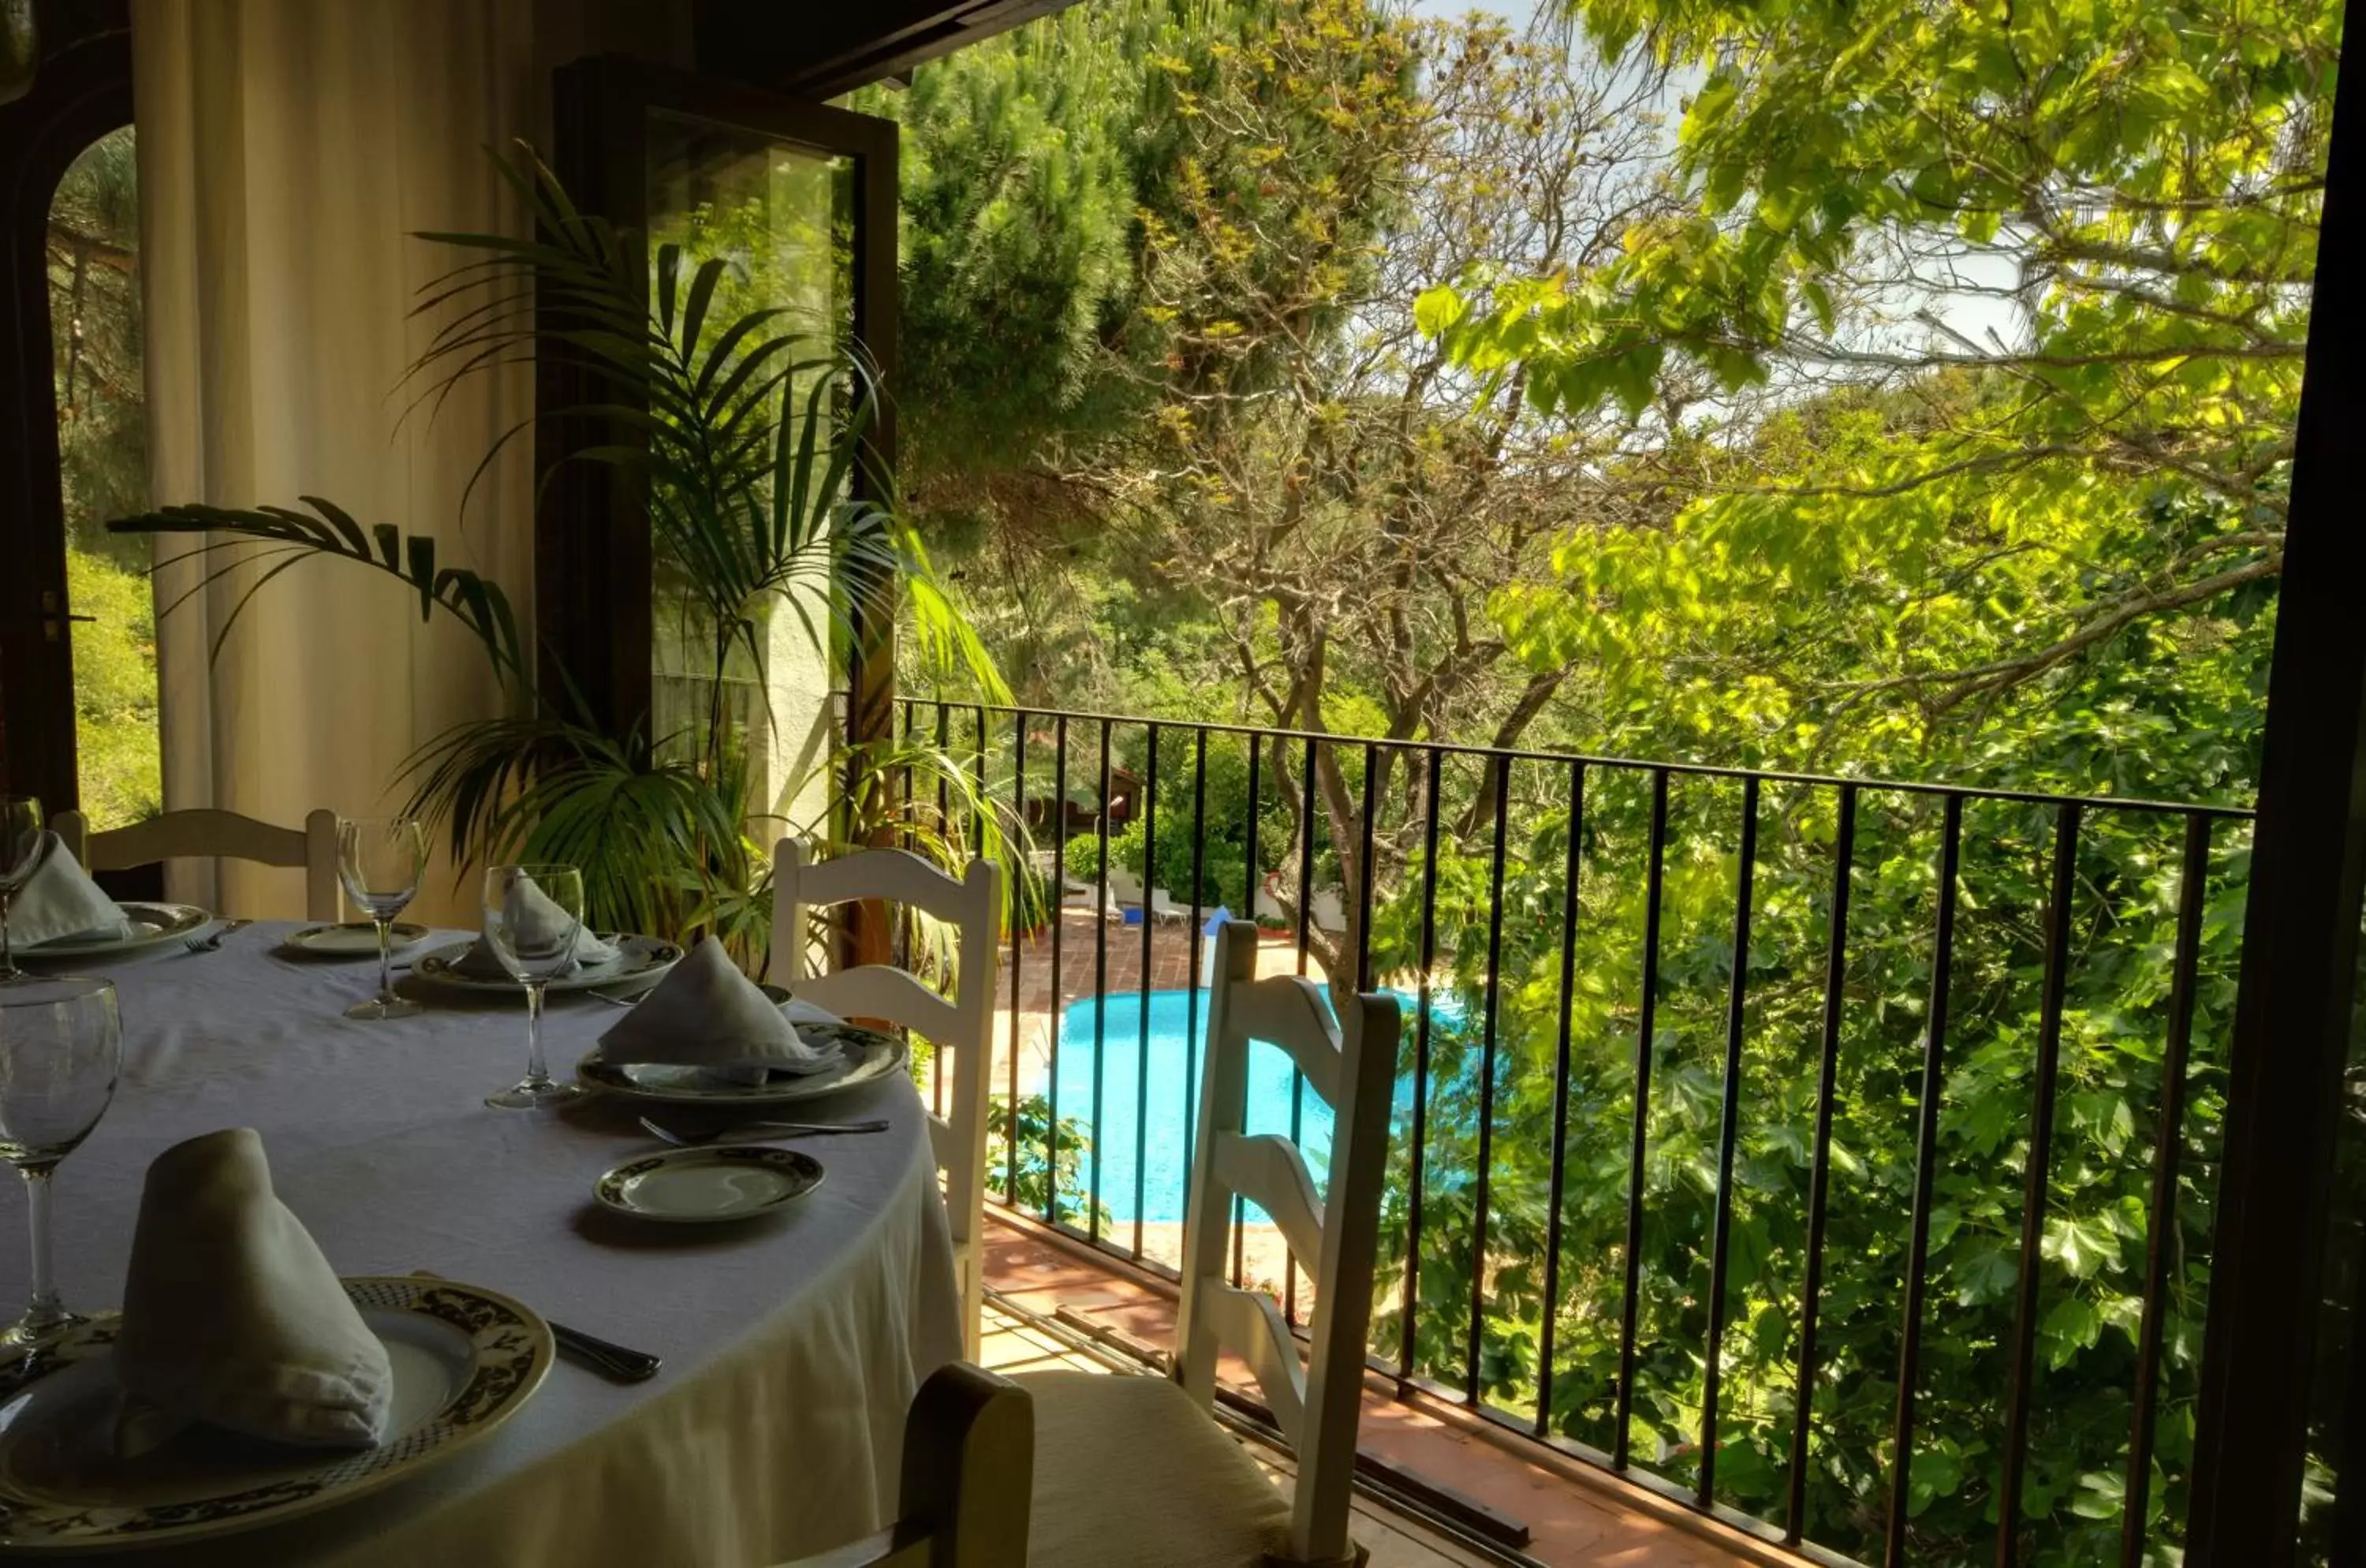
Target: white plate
151	923
693	1186
353	939
464	1361
637	958
869	1056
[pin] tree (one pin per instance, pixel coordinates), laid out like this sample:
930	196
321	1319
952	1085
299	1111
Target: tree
2099	221
1348	507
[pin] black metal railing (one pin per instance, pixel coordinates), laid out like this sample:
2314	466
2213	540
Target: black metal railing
1835	949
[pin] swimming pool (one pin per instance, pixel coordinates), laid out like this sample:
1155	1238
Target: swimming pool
1175	1061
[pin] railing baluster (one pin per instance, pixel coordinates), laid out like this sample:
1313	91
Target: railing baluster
944	829
977	815
1101	986
1018	946
902	803
1926	1167
1487	1080
1820	1173
1059	971
2160	1230
2035	1177
1249	875
1364	860
1728	1133
1305	915
1142	1062
1561	1098
1644	1025
1191	970
1420	1069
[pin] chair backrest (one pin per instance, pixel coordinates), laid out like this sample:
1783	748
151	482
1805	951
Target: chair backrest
206	833
962	1024
1352	1065
969	1469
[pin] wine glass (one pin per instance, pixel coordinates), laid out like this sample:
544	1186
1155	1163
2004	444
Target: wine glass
21	837
60	1047
533	915
379	860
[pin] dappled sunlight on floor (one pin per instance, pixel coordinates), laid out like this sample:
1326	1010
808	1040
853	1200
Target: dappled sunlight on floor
1571	1524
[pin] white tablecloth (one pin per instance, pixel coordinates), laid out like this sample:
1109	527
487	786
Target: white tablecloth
791	1345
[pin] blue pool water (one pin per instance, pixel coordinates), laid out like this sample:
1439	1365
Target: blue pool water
1175	1060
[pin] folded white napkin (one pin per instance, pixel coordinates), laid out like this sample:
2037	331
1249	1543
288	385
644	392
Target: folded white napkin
535	916
60	900
706	1014
233	1318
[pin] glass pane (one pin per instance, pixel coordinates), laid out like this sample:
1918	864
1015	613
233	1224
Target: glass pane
94	266
746	683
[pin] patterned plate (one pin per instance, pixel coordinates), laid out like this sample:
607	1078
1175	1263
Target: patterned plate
352	939
687	1187
637	958
464	1360
151	923
869	1056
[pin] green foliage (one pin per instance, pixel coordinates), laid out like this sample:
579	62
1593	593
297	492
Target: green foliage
2074	243
92	247
1048	1183
116	744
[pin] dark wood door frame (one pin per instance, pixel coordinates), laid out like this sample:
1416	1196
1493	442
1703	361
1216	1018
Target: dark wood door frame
82	91
810	51
592	569
2292	1016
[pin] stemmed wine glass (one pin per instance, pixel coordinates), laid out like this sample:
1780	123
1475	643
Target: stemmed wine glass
379	859
533	915
20	852
61	1048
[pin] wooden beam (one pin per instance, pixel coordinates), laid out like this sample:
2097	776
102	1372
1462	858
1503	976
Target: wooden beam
812	53
2261	1351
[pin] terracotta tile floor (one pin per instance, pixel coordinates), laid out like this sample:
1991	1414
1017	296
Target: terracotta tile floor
1572	1523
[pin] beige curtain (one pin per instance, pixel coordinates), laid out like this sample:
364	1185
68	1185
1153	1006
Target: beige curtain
287	149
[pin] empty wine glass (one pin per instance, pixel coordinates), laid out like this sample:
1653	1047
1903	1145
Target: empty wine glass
379	859
533	915
61	1048
20	852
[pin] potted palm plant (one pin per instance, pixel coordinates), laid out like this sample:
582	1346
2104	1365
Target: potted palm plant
747	437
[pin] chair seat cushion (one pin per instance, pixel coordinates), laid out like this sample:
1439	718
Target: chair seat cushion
1129	1470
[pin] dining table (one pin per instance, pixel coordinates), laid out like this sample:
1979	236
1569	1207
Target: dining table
792	1343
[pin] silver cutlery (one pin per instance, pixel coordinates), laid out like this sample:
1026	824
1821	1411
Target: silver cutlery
618	1363
763	1132
212	941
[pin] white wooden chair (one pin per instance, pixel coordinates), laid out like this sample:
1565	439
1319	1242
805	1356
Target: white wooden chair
207	834
962	1024
968	1448
1135	1470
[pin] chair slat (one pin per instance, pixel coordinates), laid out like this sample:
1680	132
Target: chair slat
1269	1171
1249	1325
179	834
881	991
898	877
1286	1011
209	833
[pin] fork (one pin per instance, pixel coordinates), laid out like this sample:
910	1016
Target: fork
764	1131
212	941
